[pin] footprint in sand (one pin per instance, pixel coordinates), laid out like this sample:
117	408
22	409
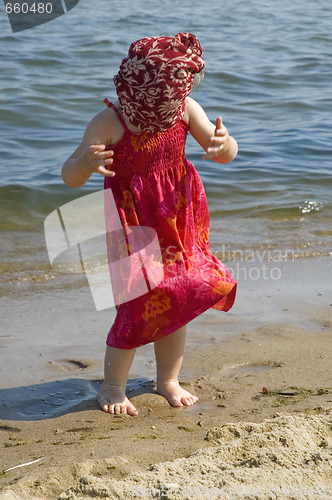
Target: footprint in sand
69	365
9	428
249	369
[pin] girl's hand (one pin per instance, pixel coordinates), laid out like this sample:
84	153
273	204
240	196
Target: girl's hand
218	142
98	159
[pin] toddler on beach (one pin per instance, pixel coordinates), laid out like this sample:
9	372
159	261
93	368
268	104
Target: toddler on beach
138	144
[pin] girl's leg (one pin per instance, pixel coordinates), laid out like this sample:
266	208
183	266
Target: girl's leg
112	394
169	356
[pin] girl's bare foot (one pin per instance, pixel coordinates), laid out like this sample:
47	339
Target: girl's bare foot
175	395
112	399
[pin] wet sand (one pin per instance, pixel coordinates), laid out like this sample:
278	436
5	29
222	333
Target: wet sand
262	427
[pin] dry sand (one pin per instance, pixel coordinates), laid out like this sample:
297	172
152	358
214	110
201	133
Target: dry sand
262	429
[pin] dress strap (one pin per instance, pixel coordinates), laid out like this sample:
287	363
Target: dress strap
111	105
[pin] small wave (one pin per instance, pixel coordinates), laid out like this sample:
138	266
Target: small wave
311	206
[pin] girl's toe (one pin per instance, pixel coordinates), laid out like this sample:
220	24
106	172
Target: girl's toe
131	410
117	409
177	402
104	405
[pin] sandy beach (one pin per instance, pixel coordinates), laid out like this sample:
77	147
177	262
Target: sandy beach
262	427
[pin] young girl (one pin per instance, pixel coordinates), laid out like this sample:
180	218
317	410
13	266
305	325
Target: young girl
137	144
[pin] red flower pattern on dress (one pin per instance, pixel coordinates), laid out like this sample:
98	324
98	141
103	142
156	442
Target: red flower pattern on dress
157	304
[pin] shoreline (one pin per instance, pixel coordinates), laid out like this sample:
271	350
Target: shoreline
54	333
263	366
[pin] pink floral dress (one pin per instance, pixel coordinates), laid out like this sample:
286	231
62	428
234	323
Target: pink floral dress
157	187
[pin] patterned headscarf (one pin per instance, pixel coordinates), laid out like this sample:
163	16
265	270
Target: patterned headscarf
155	78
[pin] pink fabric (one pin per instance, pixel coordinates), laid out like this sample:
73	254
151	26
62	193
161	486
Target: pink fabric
157	187
155	78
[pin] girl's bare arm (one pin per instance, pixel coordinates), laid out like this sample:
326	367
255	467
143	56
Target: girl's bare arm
214	139
90	156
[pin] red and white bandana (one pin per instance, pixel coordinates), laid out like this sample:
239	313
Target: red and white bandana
155	78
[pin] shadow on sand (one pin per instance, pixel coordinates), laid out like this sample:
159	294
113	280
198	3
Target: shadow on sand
53	399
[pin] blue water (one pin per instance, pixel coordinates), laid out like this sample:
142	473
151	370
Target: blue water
268	73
